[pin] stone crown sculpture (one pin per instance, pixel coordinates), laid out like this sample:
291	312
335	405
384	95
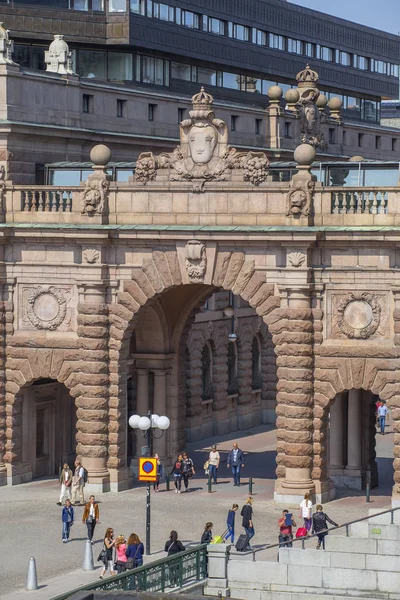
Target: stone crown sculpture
58	58
307	78
203	154
6	47
310	119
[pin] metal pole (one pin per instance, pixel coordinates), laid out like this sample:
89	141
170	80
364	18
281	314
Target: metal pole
31	581
148	491
209	486
167	480
250	486
88	564
368	486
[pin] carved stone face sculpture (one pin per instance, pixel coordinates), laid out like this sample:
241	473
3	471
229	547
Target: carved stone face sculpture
202	143
297	201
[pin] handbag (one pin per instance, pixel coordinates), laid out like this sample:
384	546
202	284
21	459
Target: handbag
131	562
301	532
102	556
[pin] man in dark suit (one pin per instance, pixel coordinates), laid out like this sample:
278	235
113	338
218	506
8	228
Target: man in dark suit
236	462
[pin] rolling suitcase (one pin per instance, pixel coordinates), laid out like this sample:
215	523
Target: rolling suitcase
242	543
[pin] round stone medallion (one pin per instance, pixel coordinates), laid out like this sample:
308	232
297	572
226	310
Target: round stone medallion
358	315
46	307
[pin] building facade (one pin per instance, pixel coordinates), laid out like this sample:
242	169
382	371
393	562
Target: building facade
104	311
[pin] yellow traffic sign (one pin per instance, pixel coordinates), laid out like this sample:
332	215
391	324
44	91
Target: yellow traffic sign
147	469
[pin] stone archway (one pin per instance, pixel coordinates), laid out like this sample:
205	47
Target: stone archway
336	375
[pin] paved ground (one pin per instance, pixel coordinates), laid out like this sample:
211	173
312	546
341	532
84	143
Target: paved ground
31	520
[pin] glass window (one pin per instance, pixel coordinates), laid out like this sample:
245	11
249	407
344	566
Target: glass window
149	8
360	62
261	38
163	12
180	71
344	58
216	26
22	55
117	6
232	81
119	66
394	70
309	49
380	67
97	4
123	175
207	76
37	58
276	41
370	110
253	84
294	46
151	70
81	5
380	177
92	64
266	85
326	53
240	32
230	29
190	19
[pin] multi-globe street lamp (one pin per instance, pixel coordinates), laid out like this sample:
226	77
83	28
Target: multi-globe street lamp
147	425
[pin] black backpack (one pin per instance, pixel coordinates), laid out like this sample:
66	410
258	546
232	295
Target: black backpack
85	475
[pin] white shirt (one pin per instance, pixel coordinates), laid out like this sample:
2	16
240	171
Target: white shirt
91	513
214	458
382	411
66	476
306	509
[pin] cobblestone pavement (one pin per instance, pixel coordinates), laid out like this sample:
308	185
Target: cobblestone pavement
31	520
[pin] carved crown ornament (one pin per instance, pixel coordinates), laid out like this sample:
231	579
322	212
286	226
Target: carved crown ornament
203	153
358	315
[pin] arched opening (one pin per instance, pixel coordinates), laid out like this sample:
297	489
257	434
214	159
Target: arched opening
182	362
48	428
357	453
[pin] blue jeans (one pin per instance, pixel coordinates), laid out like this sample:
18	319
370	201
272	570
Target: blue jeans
249	532
382	421
236	474
65	530
230	534
212	469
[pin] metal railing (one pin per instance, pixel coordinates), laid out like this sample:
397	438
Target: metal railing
360	202
175	571
305	538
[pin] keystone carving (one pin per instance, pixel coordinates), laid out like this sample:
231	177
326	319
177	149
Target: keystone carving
195	260
203	154
46	308
358	315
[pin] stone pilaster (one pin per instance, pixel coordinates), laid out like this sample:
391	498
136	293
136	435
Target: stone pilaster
293	339
91	389
3	424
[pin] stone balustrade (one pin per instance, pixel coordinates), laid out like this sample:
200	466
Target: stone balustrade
221	204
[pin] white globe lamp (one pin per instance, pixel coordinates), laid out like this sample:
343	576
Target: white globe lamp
154	420
144	423
134	421
163	423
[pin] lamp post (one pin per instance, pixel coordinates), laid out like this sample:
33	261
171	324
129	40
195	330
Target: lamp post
147	425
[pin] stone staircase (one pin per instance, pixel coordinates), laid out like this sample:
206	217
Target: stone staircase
364	565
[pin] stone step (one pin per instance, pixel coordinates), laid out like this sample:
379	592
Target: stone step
362	545
383	519
340	560
296	595
377	531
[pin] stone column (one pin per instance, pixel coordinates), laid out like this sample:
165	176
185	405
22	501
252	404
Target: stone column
3	470
160	408
91	387
337	433
142	404
354	431
293	339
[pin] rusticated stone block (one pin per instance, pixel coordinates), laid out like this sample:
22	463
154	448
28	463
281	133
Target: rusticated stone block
91	414
92	451
93	320
294	399
298	437
221	266
92	332
316	473
263	293
256	281
161	264
293	337
280	471
298	449
295	362
295	387
293	349
298	462
295	374
93	427
143	283
291	325
235	264
297	424
269	305
116	321
294	412
137	295
173	263
243	277
91	439
153	275
93	391
120	311
88	308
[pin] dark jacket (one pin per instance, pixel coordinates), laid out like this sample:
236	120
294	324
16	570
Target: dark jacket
319	522
67	511
173	547
230	520
177	468
206	537
247	514
187	466
135	551
239	458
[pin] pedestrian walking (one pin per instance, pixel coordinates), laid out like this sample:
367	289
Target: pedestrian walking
176	471
173	546
65	483
235	462
120	551
187	470
107	552
247	519
134	552
286	524
306	511
382	413
78	483
67	517
159	474
230	523
320	527
91	515
207	534
213	463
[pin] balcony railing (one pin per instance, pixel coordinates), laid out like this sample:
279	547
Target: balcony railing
360	201
46	200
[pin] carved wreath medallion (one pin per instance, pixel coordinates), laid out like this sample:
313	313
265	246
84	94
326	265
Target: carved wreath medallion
358	315
46	308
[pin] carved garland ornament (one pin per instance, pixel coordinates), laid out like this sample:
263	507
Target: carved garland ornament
195	260
46	308
358	315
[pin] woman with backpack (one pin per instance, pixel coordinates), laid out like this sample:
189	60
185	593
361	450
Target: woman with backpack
320	527
78	482
187	470
176	471
134	552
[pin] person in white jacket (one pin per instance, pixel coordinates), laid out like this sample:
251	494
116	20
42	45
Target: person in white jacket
306	511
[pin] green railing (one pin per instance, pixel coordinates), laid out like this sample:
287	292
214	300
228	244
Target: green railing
172	572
